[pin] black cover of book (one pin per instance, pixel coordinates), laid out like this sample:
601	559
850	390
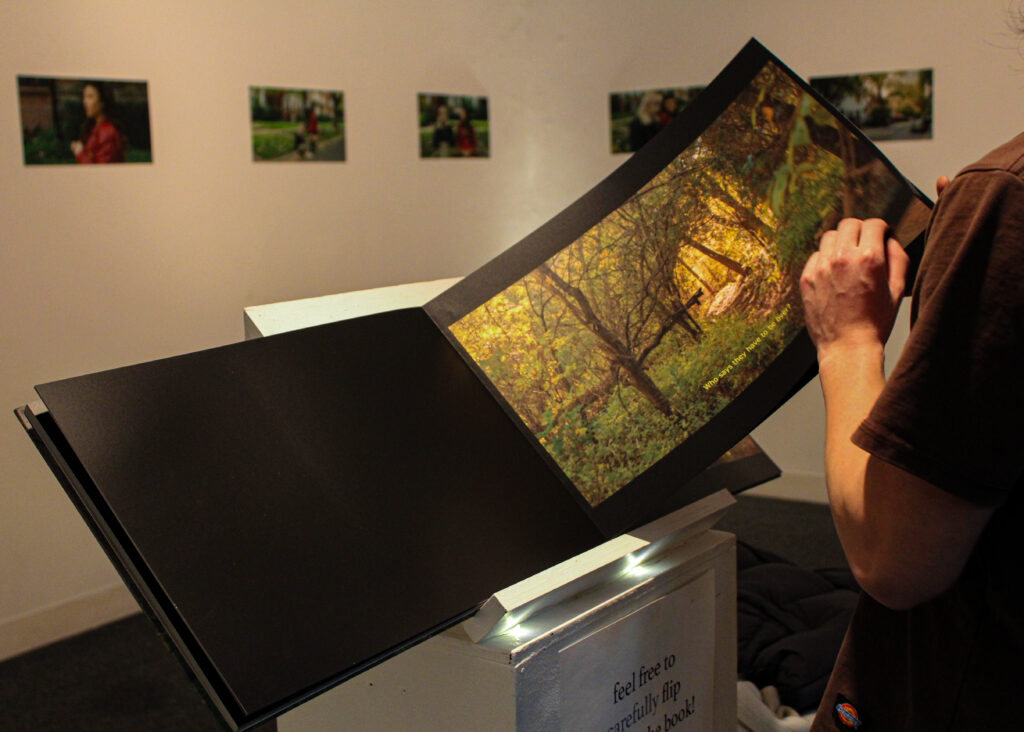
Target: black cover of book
295	509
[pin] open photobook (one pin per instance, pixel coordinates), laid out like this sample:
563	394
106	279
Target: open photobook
297	508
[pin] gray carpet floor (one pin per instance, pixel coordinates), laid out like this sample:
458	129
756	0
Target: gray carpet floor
801	532
116	678
122	678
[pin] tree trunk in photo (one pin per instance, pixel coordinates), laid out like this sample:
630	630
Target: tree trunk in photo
757	228
646	386
849	155
617	352
722	259
704	283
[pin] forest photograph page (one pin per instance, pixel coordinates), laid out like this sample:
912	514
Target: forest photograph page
618	348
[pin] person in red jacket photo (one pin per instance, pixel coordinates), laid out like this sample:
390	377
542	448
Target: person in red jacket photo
101	140
465	135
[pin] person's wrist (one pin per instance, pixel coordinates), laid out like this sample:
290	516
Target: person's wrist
854	351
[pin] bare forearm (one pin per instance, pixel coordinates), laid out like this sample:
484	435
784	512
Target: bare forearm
851	379
905	539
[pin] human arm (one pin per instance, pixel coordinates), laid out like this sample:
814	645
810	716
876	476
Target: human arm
906	539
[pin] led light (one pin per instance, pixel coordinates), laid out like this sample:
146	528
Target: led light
518	632
507	623
635	559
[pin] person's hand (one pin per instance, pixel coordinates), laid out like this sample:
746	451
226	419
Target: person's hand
76	147
940	185
852	286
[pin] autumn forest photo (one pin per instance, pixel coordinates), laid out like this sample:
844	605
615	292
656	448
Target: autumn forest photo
636	334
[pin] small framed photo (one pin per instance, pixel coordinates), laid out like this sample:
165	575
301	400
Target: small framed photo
297	125
637	116
66	121
453	126
889	105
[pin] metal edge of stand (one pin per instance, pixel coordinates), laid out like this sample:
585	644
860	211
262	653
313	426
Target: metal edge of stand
46	436
598	565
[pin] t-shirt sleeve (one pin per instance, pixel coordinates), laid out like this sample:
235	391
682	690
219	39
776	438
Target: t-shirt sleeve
952	411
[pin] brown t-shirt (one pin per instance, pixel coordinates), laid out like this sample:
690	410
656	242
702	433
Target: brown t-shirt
952	413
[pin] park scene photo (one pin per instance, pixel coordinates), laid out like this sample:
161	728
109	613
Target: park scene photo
637	116
453	126
631	338
84	121
297	124
891	105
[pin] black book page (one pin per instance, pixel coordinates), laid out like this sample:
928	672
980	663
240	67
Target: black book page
310	502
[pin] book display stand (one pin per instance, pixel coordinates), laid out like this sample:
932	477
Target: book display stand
636	633
296	509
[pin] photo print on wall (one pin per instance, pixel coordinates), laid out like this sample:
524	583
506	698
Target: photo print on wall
637	116
297	124
453	126
890	105
68	121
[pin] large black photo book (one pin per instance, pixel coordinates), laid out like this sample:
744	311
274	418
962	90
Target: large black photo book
292	510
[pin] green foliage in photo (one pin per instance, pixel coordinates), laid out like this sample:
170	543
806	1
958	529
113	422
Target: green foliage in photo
635	335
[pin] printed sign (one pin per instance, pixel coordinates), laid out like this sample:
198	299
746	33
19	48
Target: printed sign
650	671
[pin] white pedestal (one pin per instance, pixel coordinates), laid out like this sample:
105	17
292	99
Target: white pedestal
637	634
279	317
653	645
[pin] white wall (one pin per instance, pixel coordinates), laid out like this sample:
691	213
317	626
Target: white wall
107	266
